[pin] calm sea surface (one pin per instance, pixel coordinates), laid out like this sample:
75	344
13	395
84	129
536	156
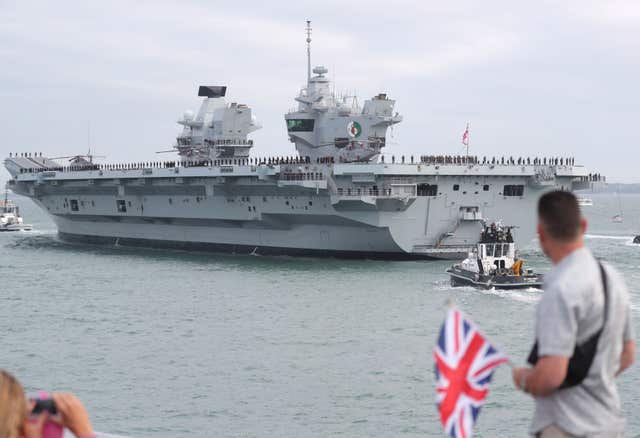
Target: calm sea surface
167	343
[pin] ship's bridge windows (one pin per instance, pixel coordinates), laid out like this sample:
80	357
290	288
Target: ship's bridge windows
513	190
74	205
456	187
427	189
489	250
121	206
485	187
300	125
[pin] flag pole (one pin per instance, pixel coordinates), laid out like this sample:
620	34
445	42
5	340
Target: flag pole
468	139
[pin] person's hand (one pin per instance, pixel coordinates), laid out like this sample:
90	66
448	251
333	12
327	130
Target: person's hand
74	415
32	427
520	377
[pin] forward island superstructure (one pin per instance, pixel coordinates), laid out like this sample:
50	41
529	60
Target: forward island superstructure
338	196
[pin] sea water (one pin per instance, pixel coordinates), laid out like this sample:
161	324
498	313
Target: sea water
170	343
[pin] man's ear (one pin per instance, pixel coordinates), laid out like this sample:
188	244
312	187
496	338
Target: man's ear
583	225
541	235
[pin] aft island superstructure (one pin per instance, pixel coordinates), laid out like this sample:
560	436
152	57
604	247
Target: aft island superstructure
338	196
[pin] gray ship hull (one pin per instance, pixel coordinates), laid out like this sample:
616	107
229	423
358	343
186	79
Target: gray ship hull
225	248
296	240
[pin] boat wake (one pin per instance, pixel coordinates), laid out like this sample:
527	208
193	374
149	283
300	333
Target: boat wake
529	296
610	237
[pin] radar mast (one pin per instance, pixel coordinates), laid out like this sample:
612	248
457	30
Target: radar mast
308	50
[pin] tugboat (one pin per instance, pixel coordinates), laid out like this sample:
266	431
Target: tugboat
494	263
10	219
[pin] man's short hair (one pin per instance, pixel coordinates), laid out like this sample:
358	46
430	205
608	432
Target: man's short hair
560	214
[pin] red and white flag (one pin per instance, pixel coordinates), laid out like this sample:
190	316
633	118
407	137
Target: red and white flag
465	136
465	362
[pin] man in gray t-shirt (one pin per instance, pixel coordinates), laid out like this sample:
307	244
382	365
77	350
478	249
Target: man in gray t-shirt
571	312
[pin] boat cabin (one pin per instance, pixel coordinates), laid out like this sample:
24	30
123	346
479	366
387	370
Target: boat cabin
494	254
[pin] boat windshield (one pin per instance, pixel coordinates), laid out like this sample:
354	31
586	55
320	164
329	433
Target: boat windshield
497	250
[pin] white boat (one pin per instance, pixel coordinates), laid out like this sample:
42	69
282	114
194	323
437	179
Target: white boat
618	218
10	219
585	202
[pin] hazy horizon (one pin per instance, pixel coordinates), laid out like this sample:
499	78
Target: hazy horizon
544	79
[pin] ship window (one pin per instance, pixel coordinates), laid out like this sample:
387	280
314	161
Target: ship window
297	125
456	187
74	205
513	190
427	189
485	187
121	205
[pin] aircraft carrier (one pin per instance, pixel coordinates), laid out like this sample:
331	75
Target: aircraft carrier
338	196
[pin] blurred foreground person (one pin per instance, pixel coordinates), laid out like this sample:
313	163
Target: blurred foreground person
18	421
583	332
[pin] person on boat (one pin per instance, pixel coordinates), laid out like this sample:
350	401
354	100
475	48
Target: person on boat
584	335
15	412
509	236
517	267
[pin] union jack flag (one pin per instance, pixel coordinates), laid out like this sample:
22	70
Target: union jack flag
465	136
465	362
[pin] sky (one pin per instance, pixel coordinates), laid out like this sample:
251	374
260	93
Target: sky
545	78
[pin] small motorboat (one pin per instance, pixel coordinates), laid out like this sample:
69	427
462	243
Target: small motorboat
10	219
636	240
494	264
585	202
